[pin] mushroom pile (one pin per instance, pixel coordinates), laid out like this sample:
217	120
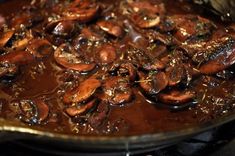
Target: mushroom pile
113	52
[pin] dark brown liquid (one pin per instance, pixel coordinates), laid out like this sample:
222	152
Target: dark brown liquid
137	117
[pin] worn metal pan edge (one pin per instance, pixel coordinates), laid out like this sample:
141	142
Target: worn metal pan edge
12	131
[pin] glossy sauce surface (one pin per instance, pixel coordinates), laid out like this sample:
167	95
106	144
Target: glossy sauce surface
47	79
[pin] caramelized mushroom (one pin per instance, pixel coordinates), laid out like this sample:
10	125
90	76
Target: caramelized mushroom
5	37
204	51
107	54
66	56
146	15
122	68
111	28
98	117
80	109
7	69
161	81
176	97
153	83
40	48
117	90
17	57
220	63
87	37
28	112
191	27
61	27
145	5
102	64
121	98
81	11
175	74
26	20
155	65
43	110
33	112
21	40
128	69
145	83
90	35
146	20
83	92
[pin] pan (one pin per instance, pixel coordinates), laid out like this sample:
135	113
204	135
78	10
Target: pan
10	131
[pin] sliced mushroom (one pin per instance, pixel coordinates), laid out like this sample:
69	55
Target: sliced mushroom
5	37
146	15
167	25
81	108
33	112
175	74
176	97
117	90
81	11
153	83
111	28
155	65
83	92
145	83
28	112
21	40
61	27
107	54
191	27
7	69
66	56
204	51
121	98
43	110
17	57
168	39
16	41
40	48
137	56
161	81
26	19
146	5
98	118
87	37
220	63
122	68
91	35
146	19
128	69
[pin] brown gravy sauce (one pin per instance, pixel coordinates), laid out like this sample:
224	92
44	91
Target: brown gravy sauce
44	79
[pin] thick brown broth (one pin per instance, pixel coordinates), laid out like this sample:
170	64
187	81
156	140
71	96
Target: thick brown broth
47	80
